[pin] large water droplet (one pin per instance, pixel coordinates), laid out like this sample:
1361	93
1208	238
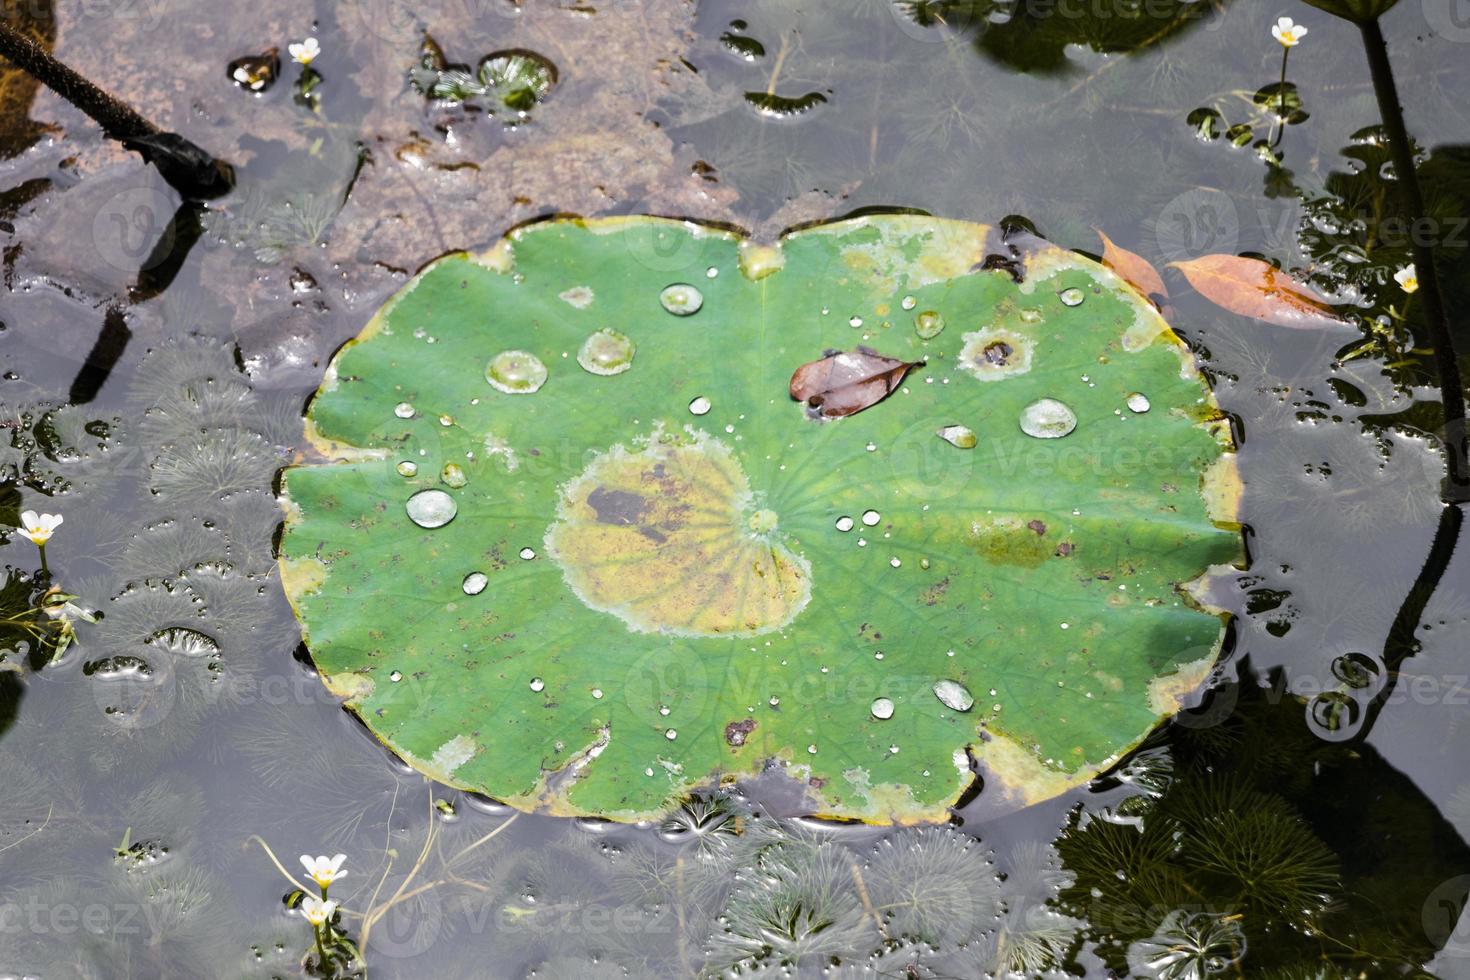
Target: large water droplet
537	684
928	325
431	508
681	299
1072	296
1138	402
407	468
475	582
954	695
844	523
515	372
1047	418
606	352
908	303
871	517
882	709
700	406
404	410
959	436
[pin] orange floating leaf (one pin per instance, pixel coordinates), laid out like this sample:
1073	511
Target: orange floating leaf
1132	268
844	383
1258	289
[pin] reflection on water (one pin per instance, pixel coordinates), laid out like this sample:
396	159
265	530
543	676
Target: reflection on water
1306	818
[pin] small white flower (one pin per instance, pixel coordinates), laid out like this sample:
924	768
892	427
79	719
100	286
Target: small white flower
305	52
1408	278
1289	34
39	527
317	911
324	870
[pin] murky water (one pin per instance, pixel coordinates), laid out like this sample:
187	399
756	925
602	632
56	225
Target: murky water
156	358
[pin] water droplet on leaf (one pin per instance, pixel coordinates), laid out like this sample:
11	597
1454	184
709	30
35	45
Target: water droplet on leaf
954	695
431	508
606	352
928	325
515	372
681	299
959	436
1071	296
1138	402
1047	418
475	582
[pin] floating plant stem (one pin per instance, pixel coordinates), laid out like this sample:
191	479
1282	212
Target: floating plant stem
183	164
1457	480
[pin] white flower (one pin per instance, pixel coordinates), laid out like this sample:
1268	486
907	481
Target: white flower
305	52
1408	278
39	527
317	911
1289	34
324	870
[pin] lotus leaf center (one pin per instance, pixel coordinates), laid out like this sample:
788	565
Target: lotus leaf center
669	539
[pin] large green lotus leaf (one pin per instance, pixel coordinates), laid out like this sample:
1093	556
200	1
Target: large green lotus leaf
687	577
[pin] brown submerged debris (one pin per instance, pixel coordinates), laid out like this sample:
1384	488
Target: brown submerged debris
844	383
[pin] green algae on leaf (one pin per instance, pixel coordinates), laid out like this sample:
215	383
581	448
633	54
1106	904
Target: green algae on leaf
662	577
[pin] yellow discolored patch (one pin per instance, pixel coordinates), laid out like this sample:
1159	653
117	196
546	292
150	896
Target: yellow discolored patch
670	539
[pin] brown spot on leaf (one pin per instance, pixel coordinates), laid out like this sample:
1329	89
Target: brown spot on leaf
1038	526
846	382
737	731
1064	549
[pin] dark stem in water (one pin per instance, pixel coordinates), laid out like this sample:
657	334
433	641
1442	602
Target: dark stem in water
187	168
1457	481
1402	642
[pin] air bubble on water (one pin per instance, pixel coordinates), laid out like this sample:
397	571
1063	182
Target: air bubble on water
908	302
1138	402
1047	418
606	352
928	325
528	553
407	468
453	475
959	436
431	508
871	517
1071	296
475	582
700	406
537	684
681	299
854	321
844	523
954	695
404	410
515	372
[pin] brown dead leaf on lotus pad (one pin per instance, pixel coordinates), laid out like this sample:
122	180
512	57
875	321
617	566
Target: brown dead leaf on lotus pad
844	383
